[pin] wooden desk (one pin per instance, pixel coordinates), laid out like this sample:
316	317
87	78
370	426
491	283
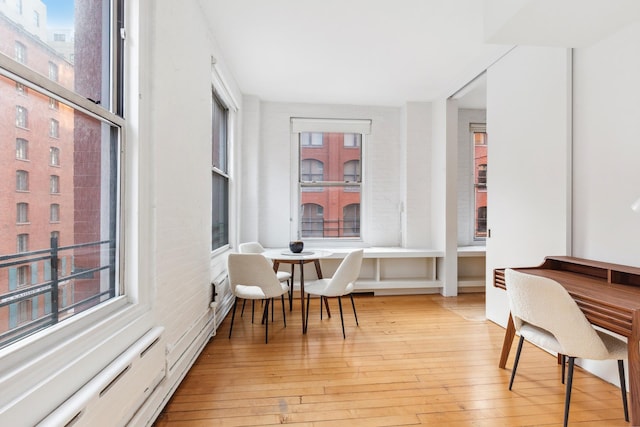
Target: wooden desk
283	256
609	296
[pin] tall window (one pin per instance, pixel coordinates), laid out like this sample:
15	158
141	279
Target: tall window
330	184
22	213
219	176
54	212
53	71
54	184
479	135
22	180
23	243
54	156
22	117
22	149
83	83
20	53
54	128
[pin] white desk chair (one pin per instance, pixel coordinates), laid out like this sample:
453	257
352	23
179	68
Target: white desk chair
546	315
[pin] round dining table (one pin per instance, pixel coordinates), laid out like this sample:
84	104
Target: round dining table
285	256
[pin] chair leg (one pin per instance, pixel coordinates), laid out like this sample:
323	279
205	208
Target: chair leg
567	399
284	317
244	301
290	284
321	300
515	362
353	304
233	315
265	316
341	317
253	302
623	390
272	305
306	320
564	364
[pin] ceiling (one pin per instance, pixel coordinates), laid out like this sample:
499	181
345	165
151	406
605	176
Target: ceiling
386	52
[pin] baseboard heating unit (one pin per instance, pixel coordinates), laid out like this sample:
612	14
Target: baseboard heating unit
114	395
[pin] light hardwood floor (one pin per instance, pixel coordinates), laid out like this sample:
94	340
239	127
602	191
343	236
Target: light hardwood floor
420	359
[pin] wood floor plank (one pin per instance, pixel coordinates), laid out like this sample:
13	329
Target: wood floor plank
417	359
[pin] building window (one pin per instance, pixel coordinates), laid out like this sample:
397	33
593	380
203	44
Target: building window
329	180
59	37
479	137
351	220
21	89
22	149
311	170
22	276
311	139
53	71
25	310
352	140
21	53
88	95
352	171
22	180
219	176
312	220
22	214
23	243
19	6
54	184
36	19
54	156
54	212
22	117
54	128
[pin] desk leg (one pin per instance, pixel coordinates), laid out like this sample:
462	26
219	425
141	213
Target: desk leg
508	340
302	308
633	343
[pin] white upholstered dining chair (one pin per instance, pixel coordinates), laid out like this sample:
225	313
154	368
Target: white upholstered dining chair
257	248
251	277
339	285
546	315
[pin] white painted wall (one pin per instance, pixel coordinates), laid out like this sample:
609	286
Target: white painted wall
382	175
416	174
606	153
528	122
606	149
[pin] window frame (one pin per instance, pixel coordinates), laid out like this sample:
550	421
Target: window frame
221	90
477	186
346	126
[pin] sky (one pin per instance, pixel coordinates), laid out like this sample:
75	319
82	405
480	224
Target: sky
59	13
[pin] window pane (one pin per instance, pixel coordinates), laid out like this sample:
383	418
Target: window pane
71	49
83	218
220	114
220	212
333	212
